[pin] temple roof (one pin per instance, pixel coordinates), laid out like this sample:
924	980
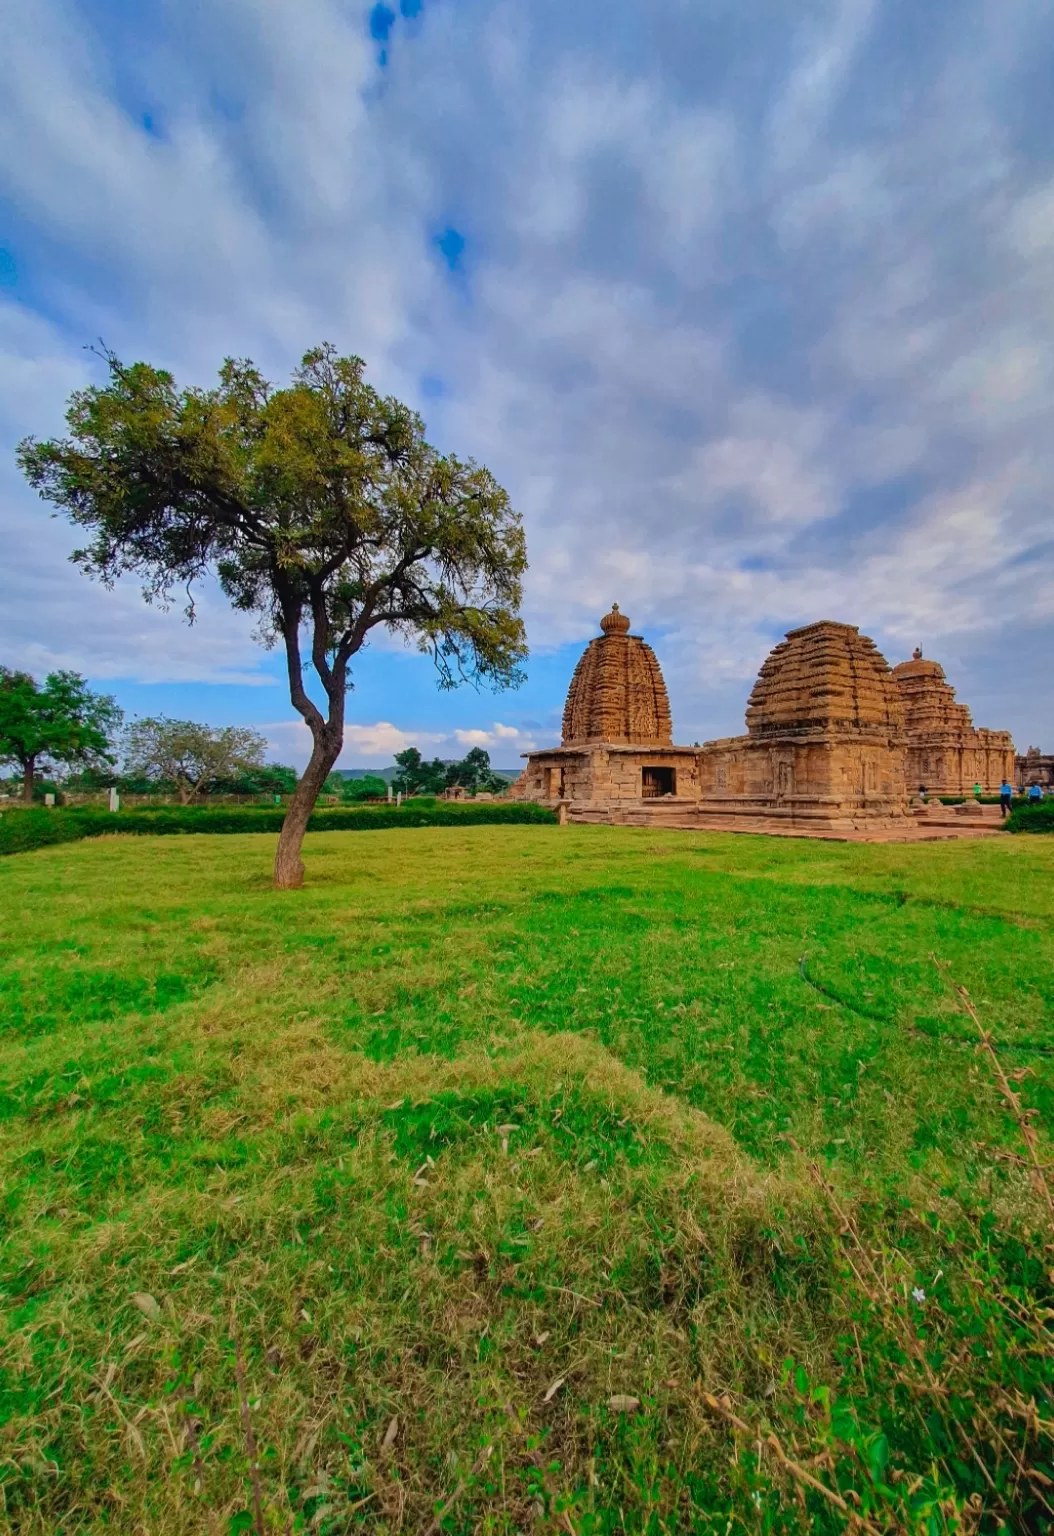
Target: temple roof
824	677
918	666
617	694
929	699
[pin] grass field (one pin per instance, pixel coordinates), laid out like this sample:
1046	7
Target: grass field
525	1179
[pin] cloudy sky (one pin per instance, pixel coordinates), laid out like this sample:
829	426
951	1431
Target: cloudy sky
749	306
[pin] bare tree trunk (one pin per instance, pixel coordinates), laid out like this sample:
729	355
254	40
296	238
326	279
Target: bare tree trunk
28	766
288	865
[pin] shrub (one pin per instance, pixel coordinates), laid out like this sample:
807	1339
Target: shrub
21	831
1031	818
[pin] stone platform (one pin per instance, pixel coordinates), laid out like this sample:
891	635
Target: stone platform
942	823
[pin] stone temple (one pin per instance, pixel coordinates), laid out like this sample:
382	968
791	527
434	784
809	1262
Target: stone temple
836	741
946	752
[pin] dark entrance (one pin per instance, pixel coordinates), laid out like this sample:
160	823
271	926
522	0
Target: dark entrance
658	781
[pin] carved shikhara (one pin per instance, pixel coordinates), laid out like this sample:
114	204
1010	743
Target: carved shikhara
946	752
835	738
617	693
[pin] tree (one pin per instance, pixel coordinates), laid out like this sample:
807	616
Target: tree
415	776
474	773
191	756
271	779
369	787
62	723
322	510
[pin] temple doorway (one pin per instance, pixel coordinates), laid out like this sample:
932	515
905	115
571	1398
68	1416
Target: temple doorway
658	781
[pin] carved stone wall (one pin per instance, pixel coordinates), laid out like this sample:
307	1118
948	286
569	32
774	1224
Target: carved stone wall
606	772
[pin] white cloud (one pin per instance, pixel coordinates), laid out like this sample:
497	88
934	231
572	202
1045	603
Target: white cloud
747	335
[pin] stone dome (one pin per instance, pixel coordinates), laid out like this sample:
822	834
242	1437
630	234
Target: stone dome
825	677
617	693
928	698
919	666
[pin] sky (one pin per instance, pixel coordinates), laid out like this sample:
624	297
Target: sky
750	308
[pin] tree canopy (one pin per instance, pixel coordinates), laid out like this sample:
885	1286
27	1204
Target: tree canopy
320	507
60	724
190	756
472	772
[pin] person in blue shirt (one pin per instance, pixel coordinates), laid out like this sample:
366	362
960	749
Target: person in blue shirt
1035	793
1006	796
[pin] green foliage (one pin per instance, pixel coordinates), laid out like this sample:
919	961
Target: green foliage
321	509
494	1132
415	776
268	779
1031	818
22	831
192	757
473	773
61	723
369	787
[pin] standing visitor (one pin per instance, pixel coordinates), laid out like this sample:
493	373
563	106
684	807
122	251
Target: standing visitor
1035	794
1006	796
922	793
977	791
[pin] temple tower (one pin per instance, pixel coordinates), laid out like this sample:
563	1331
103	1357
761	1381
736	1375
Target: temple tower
617	693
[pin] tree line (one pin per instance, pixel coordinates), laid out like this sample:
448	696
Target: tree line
63	726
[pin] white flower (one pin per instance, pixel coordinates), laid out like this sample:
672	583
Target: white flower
918	1295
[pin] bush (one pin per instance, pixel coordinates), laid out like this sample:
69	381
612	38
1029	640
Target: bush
1031	818
21	831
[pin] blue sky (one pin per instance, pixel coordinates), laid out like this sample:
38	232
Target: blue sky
749	307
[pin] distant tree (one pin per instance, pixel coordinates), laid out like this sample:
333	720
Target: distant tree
369	787
191	756
415	776
320	507
270	779
474	773
60	724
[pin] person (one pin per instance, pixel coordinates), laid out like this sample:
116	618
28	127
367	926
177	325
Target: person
1035	794
1006	797
977	791
922	793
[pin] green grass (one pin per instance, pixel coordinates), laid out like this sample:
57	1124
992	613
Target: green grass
482	1110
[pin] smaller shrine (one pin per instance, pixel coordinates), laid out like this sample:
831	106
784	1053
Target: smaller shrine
617	744
1034	767
946	752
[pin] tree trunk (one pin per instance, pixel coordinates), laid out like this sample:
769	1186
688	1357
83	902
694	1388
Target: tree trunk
288	865
28	765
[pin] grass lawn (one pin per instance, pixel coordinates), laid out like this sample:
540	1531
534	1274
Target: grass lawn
525	1179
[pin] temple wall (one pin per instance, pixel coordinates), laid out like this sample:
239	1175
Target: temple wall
600	774
953	767
841	775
